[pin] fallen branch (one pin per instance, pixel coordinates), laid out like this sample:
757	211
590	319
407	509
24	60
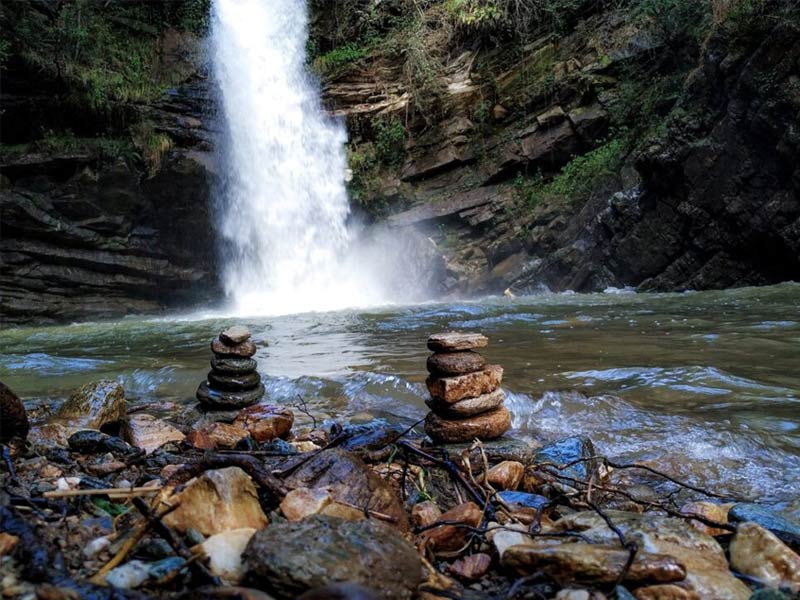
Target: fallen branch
118	492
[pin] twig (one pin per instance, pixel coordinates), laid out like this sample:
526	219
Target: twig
119	492
303	408
368	512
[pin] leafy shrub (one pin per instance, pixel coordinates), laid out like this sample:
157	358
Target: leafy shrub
332	62
390	142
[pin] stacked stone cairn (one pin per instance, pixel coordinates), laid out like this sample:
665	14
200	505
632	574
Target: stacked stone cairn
466	400
233	381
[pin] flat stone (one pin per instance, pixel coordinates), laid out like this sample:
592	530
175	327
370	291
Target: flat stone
291	558
506	475
455	341
235	335
211	398
216	501
444	538
758	553
453	389
244	349
503	448
787	530
265	422
149	432
233	383
13	418
455	363
472	567
233	366
224	553
94	405
666	591
467	407
487	426
592	563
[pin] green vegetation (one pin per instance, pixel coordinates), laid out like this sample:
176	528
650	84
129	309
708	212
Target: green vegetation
369	159
65	142
331	63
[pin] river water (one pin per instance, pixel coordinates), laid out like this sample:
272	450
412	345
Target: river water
707	384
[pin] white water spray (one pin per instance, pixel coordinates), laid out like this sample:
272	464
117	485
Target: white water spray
284	204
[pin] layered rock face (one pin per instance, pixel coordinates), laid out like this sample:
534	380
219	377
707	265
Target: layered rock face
88	237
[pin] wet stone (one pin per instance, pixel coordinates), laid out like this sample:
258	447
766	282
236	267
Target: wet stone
149	433
569	450
234	383
265	422
759	554
455	363
242	350
13	418
235	335
470	385
786	530
95	404
216	399
467	407
233	366
487	426
454	341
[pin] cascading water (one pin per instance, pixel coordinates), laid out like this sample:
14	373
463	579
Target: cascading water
283	205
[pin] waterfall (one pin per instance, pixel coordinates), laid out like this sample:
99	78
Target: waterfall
283	205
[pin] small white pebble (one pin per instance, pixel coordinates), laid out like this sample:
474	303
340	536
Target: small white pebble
95	546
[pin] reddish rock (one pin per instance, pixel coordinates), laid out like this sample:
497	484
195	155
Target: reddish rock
467	407
445	538
487	426
506	475
455	363
453	389
472	567
265	422
242	350
217	435
425	513
454	341
149	433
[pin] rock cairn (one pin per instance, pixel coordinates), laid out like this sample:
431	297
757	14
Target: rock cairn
466	399
233	381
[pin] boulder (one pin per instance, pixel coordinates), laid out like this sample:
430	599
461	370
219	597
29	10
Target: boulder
467	407
758	553
487	426
455	363
787	530
351	482
506	475
290	558
235	335
470	385
265	422
233	366
233	383
224	553
707	573
149	433
216	399
443	538
454	341
218	500
244	349
592	563
13	418
94	405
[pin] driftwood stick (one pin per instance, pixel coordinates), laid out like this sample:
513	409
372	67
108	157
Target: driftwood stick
119	492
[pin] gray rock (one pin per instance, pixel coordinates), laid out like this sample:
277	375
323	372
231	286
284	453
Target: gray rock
504	448
233	383
233	366
216	399
784	529
235	335
288	559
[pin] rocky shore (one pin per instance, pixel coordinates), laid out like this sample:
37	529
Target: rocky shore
106	500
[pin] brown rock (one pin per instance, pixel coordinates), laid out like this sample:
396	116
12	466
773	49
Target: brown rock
7	543
13	418
227	400
233	383
487	426
265	422
455	363
149	433
51	434
454	341
468	407
217	435
242	350
235	335
219	500
453	389
425	513
471	567
351	482
450	537
758	553
667	591
506	475
713	512
592	563
304	502
94	405
224	553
